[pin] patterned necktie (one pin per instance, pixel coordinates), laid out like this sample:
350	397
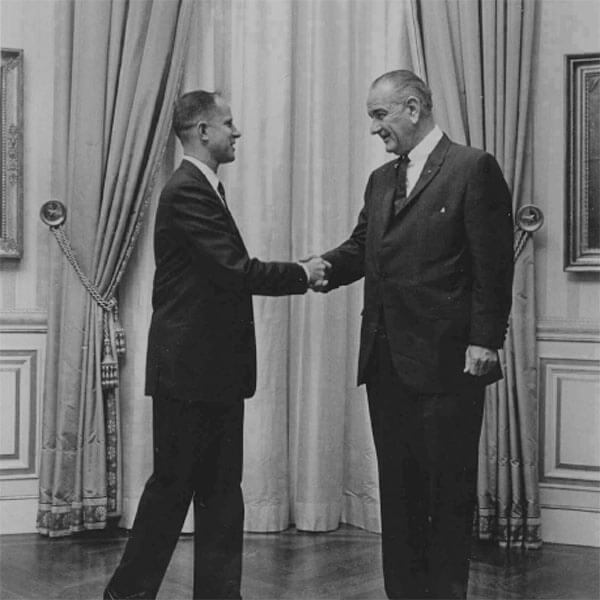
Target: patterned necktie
400	197
221	191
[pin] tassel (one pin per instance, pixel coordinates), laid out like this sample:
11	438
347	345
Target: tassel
120	341
109	370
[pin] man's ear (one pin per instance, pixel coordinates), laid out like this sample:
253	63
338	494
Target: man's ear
202	127
414	108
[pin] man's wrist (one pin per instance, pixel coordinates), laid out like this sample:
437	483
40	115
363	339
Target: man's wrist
306	271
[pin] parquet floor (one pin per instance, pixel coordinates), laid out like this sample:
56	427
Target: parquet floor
289	565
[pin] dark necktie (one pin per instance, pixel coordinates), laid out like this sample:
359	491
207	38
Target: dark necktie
221	191
400	197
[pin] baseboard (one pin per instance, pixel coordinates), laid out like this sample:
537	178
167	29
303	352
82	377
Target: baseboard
18	515
576	527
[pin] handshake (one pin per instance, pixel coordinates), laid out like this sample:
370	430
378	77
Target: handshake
316	270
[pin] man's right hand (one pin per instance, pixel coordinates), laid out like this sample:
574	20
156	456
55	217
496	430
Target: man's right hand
317	269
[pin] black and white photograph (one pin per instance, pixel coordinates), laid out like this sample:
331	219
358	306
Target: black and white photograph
300	299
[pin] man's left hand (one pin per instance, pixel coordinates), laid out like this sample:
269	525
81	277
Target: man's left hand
480	360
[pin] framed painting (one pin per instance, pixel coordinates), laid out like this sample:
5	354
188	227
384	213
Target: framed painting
11	149
582	235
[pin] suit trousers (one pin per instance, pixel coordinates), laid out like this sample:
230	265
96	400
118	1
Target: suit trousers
197	456
427	448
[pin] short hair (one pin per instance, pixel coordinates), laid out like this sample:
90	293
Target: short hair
190	108
405	83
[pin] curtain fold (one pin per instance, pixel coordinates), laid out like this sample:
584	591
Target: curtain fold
118	72
339	49
478	58
297	74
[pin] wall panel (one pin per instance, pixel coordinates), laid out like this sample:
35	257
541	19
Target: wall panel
569	460
22	358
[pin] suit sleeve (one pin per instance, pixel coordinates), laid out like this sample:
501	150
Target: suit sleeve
348	259
218	249
489	229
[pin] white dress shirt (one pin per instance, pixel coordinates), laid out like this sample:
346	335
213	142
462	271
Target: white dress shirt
418	157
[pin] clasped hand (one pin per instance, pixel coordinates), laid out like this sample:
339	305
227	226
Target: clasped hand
317	269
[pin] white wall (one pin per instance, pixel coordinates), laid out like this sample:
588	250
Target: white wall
568	303
28	25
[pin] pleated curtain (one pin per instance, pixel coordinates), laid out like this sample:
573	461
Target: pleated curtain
479	60
297	75
118	72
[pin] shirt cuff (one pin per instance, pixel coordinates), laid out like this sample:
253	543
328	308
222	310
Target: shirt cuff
306	271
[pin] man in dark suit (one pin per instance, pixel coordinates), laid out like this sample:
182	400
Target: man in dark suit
434	243
201	363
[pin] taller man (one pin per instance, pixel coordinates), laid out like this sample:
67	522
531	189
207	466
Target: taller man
434	243
201	363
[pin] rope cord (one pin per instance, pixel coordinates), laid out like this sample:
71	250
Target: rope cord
109	303
520	242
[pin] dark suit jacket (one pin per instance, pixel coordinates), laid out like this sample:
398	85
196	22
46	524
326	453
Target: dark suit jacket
201	344
438	275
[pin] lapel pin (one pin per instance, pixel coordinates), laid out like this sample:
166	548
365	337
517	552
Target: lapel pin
443	209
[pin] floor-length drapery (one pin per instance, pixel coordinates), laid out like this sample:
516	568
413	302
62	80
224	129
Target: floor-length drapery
118	71
478	57
297	74
340	48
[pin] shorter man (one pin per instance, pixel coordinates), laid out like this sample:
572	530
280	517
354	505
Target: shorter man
201	363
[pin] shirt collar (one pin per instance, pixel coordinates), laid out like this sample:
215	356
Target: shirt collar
205	170
425	147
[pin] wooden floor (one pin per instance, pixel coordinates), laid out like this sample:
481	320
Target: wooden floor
341	564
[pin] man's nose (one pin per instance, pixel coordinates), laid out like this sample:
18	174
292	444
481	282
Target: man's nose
236	133
375	127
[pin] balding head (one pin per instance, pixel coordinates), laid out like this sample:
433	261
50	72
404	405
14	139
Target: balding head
399	104
404	84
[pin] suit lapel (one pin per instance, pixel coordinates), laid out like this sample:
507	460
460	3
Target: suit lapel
192	170
430	170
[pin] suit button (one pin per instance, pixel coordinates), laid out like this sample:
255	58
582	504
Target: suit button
384	275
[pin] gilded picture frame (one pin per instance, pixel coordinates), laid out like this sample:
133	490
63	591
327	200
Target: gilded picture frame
11	149
582	234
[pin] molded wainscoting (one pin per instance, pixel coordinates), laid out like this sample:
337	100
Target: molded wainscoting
22	358
569	393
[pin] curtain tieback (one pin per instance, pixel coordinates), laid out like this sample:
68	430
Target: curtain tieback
53	214
529	218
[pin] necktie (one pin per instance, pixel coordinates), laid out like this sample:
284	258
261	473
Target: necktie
400	197
221	191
